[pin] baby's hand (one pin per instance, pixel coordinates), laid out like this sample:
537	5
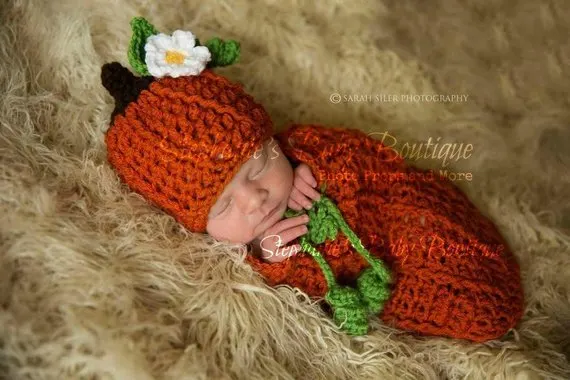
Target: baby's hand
304	184
271	244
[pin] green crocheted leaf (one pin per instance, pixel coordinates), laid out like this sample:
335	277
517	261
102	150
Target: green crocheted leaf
349	309
224	53
142	30
374	290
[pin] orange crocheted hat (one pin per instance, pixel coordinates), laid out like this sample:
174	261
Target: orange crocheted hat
180	132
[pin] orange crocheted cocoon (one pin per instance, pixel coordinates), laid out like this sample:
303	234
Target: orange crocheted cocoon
454	274
182	141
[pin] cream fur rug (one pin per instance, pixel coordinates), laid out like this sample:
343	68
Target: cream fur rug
96	284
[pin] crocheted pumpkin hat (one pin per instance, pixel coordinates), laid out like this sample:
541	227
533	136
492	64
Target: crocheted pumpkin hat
180	132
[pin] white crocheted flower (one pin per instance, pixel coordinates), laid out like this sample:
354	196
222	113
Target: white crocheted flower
175	55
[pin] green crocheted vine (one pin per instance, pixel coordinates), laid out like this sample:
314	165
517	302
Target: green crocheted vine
350	306
223	53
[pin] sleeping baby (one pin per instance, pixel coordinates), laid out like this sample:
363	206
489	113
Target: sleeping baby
329	210
251	207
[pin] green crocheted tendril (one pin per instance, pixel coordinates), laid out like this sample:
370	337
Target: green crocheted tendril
142	30
350	306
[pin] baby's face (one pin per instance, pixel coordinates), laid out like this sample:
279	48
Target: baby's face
255	199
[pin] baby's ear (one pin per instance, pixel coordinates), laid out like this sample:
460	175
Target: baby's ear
123	86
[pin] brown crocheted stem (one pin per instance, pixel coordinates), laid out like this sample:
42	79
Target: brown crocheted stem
123	86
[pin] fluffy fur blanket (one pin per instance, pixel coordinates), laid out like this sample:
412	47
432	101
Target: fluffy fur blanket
97	284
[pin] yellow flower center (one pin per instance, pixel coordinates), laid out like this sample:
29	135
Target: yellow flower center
174	57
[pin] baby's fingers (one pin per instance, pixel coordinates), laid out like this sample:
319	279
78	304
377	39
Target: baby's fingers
300	198
304	171
292	234
286	224
306	189
294	205
285	237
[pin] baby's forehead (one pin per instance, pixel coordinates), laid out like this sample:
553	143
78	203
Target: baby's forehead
267	143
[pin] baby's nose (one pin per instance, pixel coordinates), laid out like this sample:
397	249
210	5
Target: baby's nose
251	199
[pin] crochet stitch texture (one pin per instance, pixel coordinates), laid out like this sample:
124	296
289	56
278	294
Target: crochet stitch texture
180	142
453	273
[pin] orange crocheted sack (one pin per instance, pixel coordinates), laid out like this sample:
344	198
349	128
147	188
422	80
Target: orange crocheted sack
452	272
